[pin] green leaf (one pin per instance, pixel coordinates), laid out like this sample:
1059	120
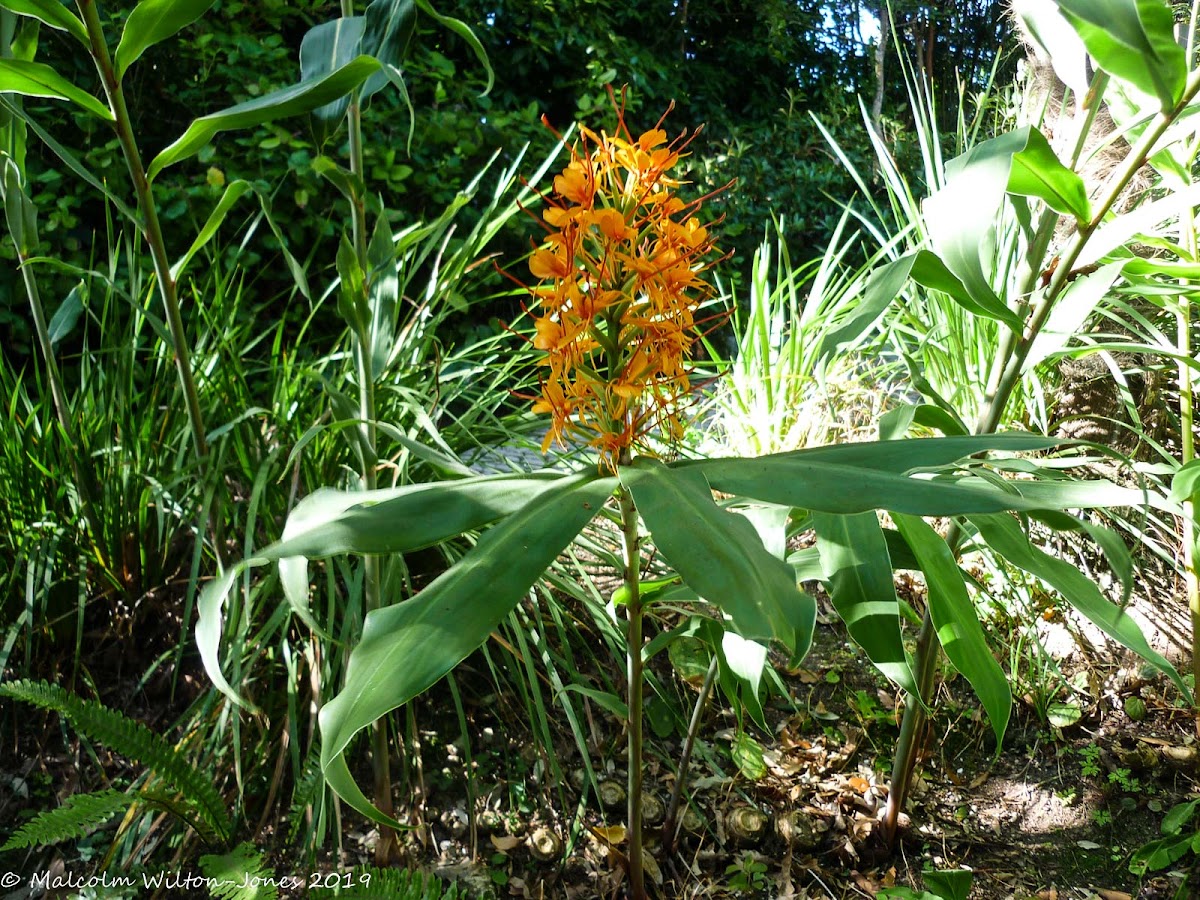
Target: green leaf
233	193
352	295
746	659
1004	535
390	25
290	101
1179	816
929	271
690	657
1186	482
407	647
31	79
344	180
605	700
19	212
53	13
747	754
325	49
717	553
1063	715
962	215
848	489
457	26
62	323
950	884
648	591
1160	854
151	22
383	294
1059	43
956	623
1070	311
1037	172
329	522
1133	40
858	575
71	160
883	286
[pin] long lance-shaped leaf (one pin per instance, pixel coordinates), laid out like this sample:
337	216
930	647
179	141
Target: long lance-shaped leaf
955	621
407	647
70	159
858	573
153	21
908	454
1046	27
290	101
1004	535
464	31
390	25
233	192
326	48
1133	40
53	13
717	553
397	520
961	216
824	487
31	79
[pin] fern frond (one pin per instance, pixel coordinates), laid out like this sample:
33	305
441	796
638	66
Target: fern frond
131	739
233	875
308	787
183	809
78	816
369	883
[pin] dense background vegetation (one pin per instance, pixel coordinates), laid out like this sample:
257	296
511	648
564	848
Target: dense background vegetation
904	254
752	73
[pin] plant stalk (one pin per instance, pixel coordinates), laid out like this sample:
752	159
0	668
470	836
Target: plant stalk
151	229
632	574
1012	362
62	408
385	850
669	830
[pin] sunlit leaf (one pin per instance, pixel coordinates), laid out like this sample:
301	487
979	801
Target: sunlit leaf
1133	40
290	101
324	49
152	21
31	79
407	647
53	12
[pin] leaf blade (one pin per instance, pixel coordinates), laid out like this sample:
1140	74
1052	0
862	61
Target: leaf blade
151	22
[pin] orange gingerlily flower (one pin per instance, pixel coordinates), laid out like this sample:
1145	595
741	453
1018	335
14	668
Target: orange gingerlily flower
620	280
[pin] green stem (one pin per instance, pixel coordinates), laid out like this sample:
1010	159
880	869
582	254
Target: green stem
151	229
62	409
372	583
629	529
1187	448
685	758
1015	351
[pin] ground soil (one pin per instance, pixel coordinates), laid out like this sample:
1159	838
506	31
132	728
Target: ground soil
1084	778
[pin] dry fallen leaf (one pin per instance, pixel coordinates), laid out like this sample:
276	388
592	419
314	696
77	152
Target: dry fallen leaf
1113	895
609	834
506	843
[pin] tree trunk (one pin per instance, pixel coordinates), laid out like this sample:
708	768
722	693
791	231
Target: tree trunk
885	24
